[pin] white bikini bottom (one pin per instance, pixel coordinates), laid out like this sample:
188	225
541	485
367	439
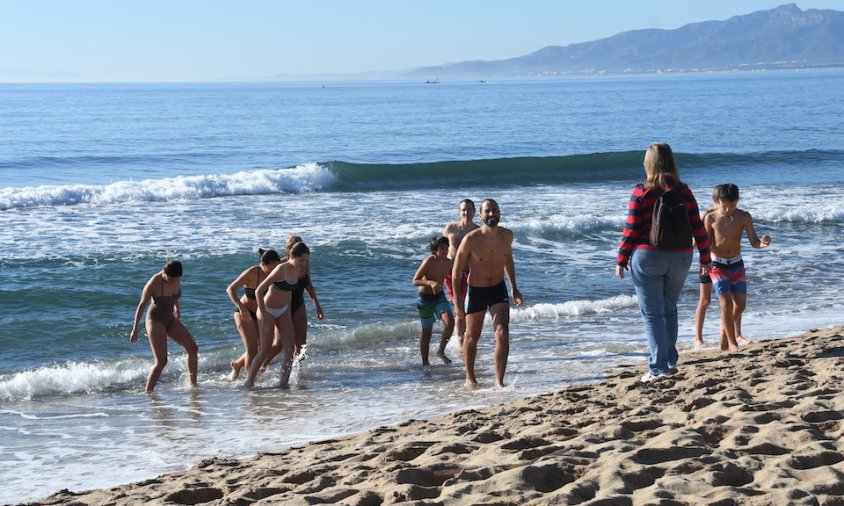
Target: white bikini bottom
276	312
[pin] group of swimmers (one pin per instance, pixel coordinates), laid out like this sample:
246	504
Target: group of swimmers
459	283
270	316
469	261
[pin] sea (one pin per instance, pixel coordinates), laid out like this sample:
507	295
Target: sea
100	184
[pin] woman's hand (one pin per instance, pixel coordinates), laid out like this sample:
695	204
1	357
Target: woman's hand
619	271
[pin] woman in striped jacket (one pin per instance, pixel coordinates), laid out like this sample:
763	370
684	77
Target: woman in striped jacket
658	274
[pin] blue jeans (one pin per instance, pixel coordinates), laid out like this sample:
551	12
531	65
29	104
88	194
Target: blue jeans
658	277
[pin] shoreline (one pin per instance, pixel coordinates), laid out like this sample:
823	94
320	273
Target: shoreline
764	426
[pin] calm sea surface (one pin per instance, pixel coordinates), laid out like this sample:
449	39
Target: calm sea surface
99	184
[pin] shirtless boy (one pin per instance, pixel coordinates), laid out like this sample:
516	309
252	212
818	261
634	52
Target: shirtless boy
432	302
725	226
487	251
455	232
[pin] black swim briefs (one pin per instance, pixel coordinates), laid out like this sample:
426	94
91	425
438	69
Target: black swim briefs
481	298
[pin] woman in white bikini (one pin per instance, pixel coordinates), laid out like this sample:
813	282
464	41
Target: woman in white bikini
274	295
297	307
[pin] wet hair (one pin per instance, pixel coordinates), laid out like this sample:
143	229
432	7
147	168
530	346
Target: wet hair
298	250
268	256
725	193
293	240
488	200
468	201
173	269
438	241
660	166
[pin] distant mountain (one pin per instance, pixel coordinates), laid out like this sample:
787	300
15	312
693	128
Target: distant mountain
784	37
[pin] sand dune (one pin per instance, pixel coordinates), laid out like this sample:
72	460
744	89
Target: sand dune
761	427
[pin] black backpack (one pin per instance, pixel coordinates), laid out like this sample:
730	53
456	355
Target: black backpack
670	227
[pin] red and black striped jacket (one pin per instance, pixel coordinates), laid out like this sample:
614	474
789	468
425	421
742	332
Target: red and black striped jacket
637	229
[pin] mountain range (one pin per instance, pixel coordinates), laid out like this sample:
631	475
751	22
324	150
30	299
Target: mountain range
783	37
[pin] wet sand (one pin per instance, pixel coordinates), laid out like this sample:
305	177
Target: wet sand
761	427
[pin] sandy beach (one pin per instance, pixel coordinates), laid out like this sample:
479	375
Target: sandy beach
761	427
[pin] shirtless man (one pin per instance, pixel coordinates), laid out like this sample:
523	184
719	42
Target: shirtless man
487	251
726	225
455	232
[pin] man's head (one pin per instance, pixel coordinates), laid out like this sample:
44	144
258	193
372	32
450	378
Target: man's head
467	209
490	212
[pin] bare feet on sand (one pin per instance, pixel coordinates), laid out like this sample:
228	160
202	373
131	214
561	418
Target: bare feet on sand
726	345
743	341
731	348
698	345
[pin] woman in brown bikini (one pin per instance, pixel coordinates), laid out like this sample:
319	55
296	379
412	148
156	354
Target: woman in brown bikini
163	321
274	296
245	316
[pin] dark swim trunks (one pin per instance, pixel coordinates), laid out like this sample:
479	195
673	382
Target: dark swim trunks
481	298
431	307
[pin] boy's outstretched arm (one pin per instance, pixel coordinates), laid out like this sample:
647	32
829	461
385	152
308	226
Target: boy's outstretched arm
753	238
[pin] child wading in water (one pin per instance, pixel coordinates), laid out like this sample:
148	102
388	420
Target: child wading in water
725	224
432	302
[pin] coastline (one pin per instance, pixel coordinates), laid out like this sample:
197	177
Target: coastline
761	427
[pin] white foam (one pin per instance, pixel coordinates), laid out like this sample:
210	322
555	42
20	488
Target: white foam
373	332
573	308
72	377
303	178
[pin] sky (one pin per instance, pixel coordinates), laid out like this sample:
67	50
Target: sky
210	40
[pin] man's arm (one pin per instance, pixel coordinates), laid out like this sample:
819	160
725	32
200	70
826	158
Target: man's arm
460	261
510	270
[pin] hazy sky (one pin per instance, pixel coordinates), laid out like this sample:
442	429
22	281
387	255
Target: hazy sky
199	40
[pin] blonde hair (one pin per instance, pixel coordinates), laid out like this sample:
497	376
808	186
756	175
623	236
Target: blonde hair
660	167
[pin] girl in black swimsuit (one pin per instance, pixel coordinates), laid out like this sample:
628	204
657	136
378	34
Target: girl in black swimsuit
245	315
274	296
163	320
